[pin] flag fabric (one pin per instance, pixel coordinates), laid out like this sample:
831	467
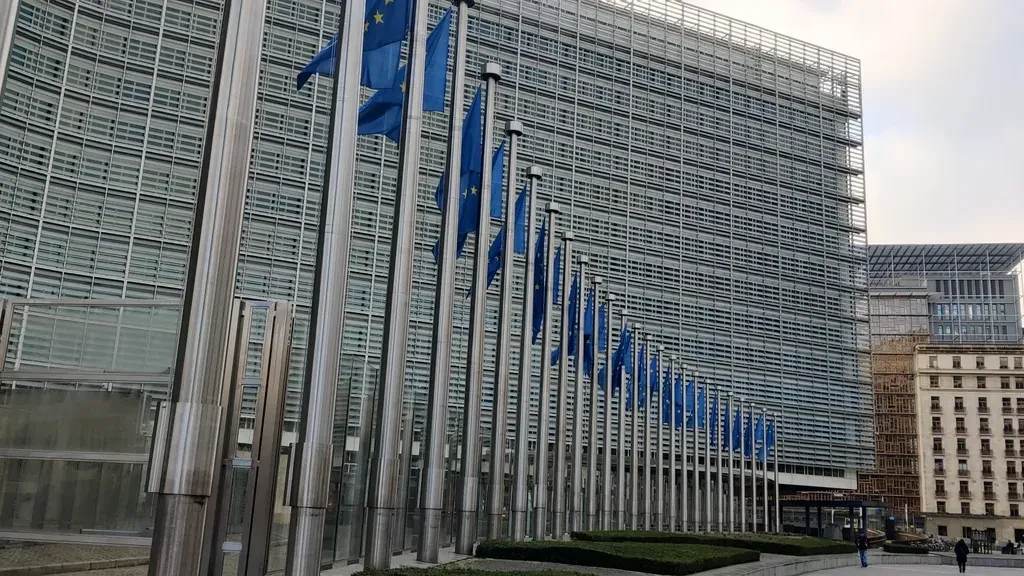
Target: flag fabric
619	358
469	210
558	276
588	334
748	437
727	428
737	430
691	404
759	432
382	113
471	169
680	401
713	426
667	410
641	378
522	225
771	436
654	376
701	405
538	280
496	253
385	25
571	336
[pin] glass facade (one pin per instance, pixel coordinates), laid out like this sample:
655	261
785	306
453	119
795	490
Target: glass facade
714	169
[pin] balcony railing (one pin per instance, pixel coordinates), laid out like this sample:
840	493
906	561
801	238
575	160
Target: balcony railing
940	493
964	472
1011	453
961	451
961	430
1007	409
985	430
965	493
986	474
1008	430
1011	473
982	409
986	451
940	471
959	409
989	495
936	408
1013	496
937	429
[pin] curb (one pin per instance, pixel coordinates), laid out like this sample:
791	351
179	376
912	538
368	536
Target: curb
810	564
74	567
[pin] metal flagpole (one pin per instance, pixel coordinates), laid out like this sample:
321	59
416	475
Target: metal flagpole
469	481
576	479
399	519
540	499
719	489
707	459
606	488
775	461
592	449
743	469
659	496
620	469
647	433
672	446
385	466
753	473
432	483
764	467
729	453
521	457
684	453
8	20
499	418
696	457
561	421
634	457
189	425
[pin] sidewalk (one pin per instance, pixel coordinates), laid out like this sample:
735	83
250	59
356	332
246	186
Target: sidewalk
404	560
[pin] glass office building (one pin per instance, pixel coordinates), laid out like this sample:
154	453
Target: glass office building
713	168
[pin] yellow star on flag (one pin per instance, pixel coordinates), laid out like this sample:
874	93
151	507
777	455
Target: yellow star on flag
472	190
366	26
378	18
402	85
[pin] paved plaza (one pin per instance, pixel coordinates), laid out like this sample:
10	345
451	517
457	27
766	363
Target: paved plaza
915	570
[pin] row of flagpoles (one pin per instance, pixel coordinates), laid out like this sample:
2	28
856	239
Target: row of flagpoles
367	52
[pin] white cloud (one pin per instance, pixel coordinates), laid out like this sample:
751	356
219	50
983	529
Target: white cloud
943	89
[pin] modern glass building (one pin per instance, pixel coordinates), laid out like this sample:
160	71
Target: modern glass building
714	169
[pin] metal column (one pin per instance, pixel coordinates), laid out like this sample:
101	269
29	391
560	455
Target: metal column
729	453
659	465
620	469
646	523
685	508
189	427
634	457
606	488
8	20
561	421
592	448
576	478
672	453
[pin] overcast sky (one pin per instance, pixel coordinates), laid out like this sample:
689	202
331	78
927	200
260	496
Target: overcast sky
943	88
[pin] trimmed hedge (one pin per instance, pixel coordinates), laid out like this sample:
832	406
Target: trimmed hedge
768	543
903	549
674	560
442	571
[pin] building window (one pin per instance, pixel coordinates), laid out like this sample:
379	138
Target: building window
942	529
1011	469
982	383
983	405
983	425
938	466
936	406
961	446
940	507
990	509
1004	363
956	359
933	361
961	467
933	381
1014	511
987	487
1018	363
936	424
940	487
1007	405
1018	383
958	382
986	468
1008	443
937	445
958	403
966	531
1012	490
965	509
979	361
1020	405
961	428
1008	427
986	447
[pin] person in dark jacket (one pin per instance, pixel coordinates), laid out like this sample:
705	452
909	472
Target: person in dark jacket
862	547
961	555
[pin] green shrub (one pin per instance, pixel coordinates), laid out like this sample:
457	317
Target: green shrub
443	571
675	560
769	543
903	549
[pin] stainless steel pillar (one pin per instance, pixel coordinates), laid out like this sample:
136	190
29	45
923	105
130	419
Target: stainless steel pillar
775	461
432	483
592	422
496	480
672	512
634	454
743	468
697	500
646	521
469	482
576	481
764	468
707	457
685	453
561	422
719	489
753	473
729	452
521	457
540	512
385	466
659	464
620	469
8	20
606	487
404	474
189	428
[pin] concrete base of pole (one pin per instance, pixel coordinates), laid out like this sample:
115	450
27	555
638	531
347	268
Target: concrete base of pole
378	538
465	537
177	544
494	527
540	521
558	525
430	536
518	521
306	526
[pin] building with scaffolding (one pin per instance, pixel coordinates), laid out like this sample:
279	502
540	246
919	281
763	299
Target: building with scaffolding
714	167
961	294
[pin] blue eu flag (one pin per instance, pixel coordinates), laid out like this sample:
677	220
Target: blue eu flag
666	397
737	431
385	25
691	404
618	361
680	401
641	377
571	329
702	399
557	276
748	436
382	113
469	211
470	169
771	436
713	425
538	280
759	432
653	375
496	253
727	430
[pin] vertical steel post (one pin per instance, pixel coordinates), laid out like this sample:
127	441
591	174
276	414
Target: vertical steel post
729	452
707	459
561	420
496	481
398	530
576	477
521	457
659	482
646	522
190	425
672	453
684	454
764	468
775	460
432	484
719	489
540	508
620	469
634	455
606	488
469	481
385	467
743	467
753	473
592	445
8	21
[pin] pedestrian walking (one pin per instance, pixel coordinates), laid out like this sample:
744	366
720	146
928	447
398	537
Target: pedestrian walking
961	552
862	547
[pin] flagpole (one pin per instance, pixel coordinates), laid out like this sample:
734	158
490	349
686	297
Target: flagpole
561	421
683	449
647	433
540	499
659	497
775	458
185	456
634	457
606	488
520	495
576	479
753	473
719	489
697	518
764	467
729	452
743	468
499	418
707	458
592	448
620	470
672	513
432	483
